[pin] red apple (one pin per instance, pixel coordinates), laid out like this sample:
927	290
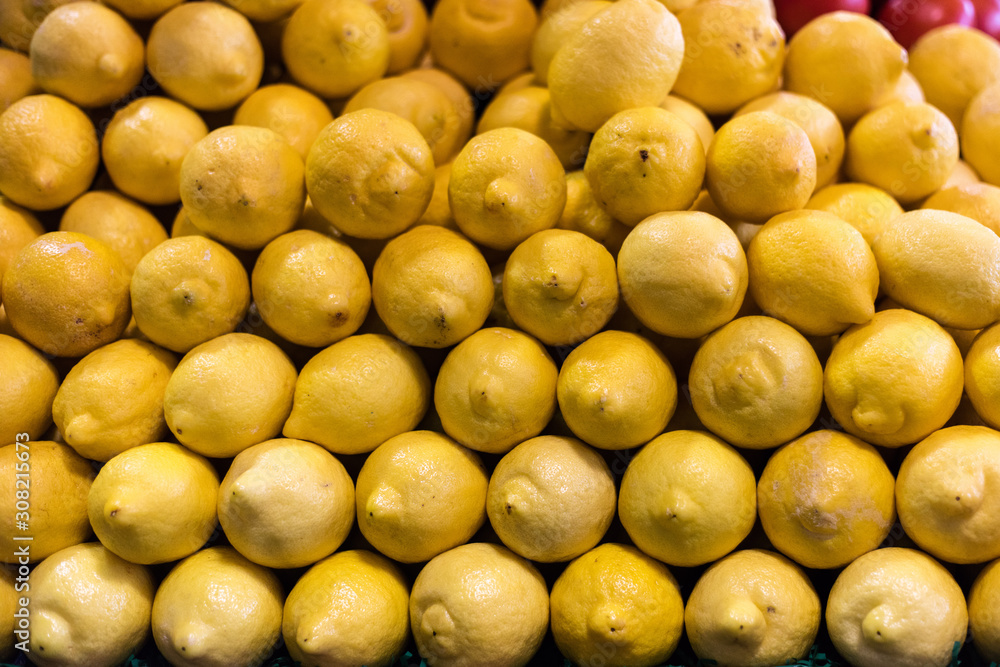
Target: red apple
988	17
793	14
907	20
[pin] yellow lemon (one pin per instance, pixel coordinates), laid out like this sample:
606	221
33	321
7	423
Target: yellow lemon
16	80
756	383
458	597
896	607
406	21
941	264
462	107
286	503
683	274
556	29
28	385
9	600
408	483
979	201
143	9
216	608
693	116
350	608
687	498
907	89
370	173
290	111
962	174
753	608
438	211
582	213
19	20
979	132
264	11
982	375
125	226
614	605
984	602
495	389
358	393
868	209
551	499
18	228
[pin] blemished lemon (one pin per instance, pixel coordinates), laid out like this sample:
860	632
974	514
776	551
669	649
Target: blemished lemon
555	29
733	53
48	152
820	124
28	385
979	132
144	145
687	498
551	499
311	289
616	390
113	399
482	43
408	483
866	208
560	286
370	173
643	161
495	389
87	53
615	599
896	606
845	60
88	607
18	228
756	383
907	148
8	605
292	112
941	264
264	11
458	597
407	23
187	291
206	405
682	273
625	56
984	603
813	271
350	608
582	213
760	164
16	80
495	201
67	294
358	393
243	186
125	226
979	201
753	608
943	498
982	375
154	503
59	484
143	9
217	609
333	47
826	498
895	379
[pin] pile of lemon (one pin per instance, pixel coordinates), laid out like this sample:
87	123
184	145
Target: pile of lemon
678	295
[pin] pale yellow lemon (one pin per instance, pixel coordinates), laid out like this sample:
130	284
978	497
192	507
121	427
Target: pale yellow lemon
693	116
984	603
16	80
407	23
982	375
292	112
868	209
979	131
582	213
979	201
962	174
18	228
126	226
555	29
907	89
28	385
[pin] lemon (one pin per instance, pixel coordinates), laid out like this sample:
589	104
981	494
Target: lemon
556	29
495	389
124	225
551	499
582	213
760	164
217	609
59	483
693	116
941	264
28	385
687	498
982	375
142	9
87	53
17	81
48	152
979	131
979	201
896	607
286	503
625	56
333	47
462	112
9	606
406	21
616	390
845	60
310	288
483	43
67	294
264	11
682	273
458	597
290	111
348	609
984	601
18	228
614	605
756	383
733	53
408	483
144	145
438	211
205	55
113	399
370	173
868	209
907	89
753	608
19	20
88	608
358	393
962	174
498	203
